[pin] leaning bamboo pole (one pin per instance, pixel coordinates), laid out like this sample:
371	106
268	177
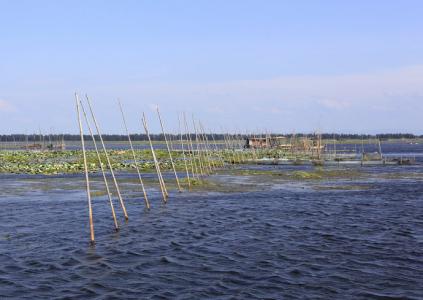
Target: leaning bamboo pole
204	150
147	203
171	144
122	204
191	147
218	152
232	146
109	194
183	153
156	162
206	146
168	150
232	143
227	146
87	180
200	161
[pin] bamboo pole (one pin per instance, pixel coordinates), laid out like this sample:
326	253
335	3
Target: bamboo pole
206	146
200	162
227	148
171	144
209	150
204	150
190	145
183	154
122	204
109	194
156	163
218	152
232	143
87	180
147	203
190	152
232	146
168	150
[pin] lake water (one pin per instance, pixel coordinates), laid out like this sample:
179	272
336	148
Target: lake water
285	239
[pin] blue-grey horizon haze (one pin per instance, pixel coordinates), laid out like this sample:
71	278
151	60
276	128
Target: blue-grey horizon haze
246	66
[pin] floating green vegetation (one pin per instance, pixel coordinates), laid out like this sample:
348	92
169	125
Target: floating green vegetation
60	162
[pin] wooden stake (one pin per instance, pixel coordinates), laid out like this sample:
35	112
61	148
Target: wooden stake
87	180
218	152
156	163
206	147
191	149
183	154
122	204
168	150
147	203
200	163
203	150
109	194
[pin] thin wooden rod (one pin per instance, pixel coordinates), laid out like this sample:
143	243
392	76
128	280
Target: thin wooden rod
168	150
206	147
183	153
147	203
218	151
230	149
171	144
235	143
109	194
200	163
242	153
87	179
122	204
204	157
156	163
191	149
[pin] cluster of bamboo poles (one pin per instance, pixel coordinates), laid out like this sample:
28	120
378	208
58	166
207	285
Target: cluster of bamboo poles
201	156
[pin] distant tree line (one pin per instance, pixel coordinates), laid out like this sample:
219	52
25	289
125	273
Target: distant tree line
34	138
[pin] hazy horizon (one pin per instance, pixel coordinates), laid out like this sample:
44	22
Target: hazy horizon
240	66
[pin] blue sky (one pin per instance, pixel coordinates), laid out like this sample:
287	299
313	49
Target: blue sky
333	66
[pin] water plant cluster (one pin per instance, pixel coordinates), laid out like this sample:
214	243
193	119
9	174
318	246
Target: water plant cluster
62	162
71	161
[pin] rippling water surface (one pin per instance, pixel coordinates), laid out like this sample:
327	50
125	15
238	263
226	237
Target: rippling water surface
281	242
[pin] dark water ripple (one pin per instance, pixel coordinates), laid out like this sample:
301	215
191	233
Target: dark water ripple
258	245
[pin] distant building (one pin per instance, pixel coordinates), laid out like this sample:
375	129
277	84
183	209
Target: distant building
267	142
